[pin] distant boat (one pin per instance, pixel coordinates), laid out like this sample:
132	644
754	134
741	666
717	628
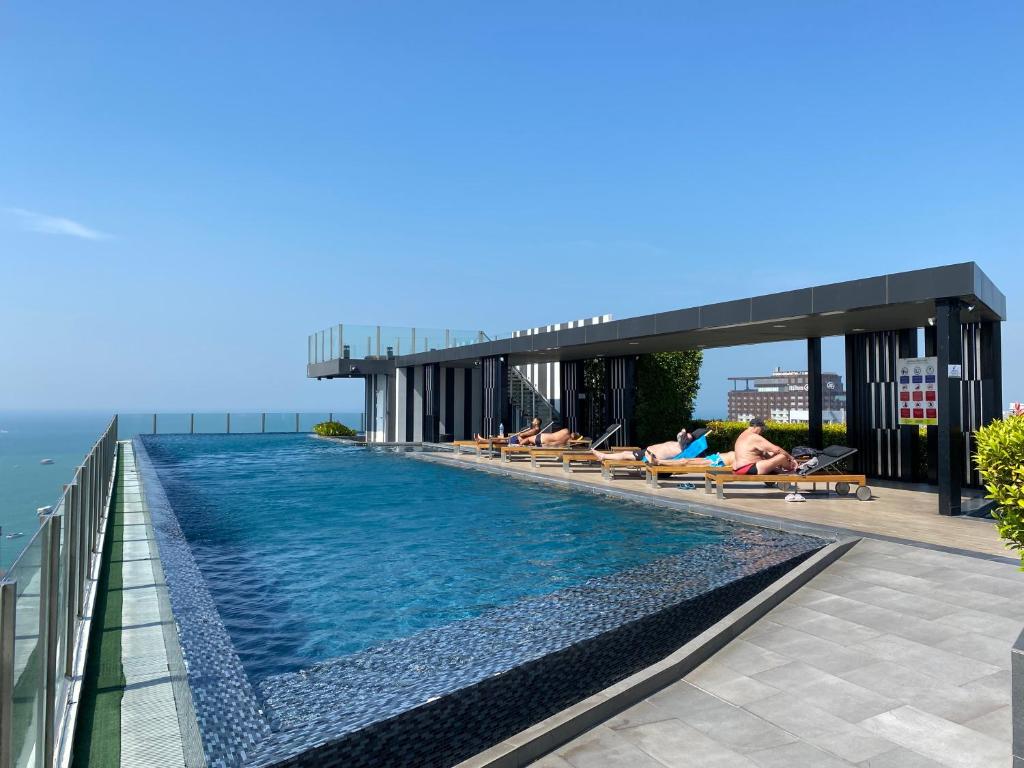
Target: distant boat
14	535
46	461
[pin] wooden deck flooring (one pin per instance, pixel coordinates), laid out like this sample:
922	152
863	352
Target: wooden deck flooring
899	512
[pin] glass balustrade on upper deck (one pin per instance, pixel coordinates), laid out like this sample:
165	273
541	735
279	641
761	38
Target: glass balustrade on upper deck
377	342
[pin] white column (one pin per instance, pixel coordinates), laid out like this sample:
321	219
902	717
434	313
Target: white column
417	404
401	377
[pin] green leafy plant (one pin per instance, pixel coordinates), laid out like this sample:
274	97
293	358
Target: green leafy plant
1000	459
333	429
666	388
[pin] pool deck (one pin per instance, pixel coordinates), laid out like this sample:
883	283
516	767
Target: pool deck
894	657
900	512
897	654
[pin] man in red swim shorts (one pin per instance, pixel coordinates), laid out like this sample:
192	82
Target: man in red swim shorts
757	456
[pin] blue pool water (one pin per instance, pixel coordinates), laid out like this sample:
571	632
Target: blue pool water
314	549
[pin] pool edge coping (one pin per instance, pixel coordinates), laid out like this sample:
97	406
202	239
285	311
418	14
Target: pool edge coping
820	530
542	738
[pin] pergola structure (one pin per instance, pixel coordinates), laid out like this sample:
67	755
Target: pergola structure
454	391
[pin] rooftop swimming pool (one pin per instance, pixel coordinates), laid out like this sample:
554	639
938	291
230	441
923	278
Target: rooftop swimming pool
324	590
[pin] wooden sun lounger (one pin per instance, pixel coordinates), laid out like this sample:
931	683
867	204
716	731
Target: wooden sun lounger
508	452
608	466
655	471
842	482
586	458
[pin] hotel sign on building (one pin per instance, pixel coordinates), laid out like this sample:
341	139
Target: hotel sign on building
783	396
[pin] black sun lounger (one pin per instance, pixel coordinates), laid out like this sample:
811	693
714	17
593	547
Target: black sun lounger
831	455
605	435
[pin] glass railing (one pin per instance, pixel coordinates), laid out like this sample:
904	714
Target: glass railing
233	423
44	604
370	342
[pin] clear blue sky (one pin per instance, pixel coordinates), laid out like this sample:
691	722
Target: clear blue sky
188	189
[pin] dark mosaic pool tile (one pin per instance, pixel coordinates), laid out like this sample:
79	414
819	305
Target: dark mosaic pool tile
444	694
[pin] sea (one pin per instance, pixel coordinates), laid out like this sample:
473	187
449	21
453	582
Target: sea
61	439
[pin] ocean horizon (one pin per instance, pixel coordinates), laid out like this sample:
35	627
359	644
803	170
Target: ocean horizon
61	439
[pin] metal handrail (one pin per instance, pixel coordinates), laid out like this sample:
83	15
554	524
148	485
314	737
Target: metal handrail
71	534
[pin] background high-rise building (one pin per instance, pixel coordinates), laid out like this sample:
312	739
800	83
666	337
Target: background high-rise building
782	396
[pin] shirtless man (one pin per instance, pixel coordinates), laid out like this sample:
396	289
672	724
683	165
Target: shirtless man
513	439
552	439
670	449
757	456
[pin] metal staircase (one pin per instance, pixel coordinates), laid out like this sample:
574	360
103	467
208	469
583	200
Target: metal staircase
526	401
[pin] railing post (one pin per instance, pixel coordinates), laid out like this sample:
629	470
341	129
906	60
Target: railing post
341	340
52	585
8	599
296	422
154	423
82	507
378	341
229	422
71	539
412	348
263	422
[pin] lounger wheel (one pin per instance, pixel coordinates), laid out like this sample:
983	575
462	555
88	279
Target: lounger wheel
863	493
842	488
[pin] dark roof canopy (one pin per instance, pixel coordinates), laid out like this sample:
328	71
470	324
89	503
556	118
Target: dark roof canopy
887	302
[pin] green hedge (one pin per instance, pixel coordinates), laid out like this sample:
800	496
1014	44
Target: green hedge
786	436
333	429
666	387
1000	459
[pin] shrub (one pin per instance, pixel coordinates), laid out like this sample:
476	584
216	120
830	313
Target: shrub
333	429
1000	458
666	387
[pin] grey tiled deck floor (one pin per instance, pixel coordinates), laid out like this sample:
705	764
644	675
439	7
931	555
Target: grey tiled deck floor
894	657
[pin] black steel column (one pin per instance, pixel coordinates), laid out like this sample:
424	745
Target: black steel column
449	404
495	391
410	412
814	398
620	373
949	350
571	378
992	370
431	403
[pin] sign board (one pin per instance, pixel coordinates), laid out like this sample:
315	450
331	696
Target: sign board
917	390
955	371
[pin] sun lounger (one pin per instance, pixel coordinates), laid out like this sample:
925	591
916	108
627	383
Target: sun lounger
608	466
510	452
655	472
585	459
824	471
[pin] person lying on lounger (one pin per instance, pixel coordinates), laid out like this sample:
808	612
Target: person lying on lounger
724	459
670	449
757	456
557	439
513	439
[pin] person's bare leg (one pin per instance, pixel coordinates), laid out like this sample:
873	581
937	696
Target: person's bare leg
618	456
698	462
775	465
